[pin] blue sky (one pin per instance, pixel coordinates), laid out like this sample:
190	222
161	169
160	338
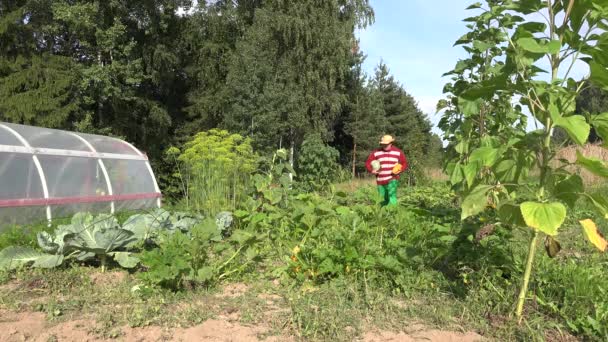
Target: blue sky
415	39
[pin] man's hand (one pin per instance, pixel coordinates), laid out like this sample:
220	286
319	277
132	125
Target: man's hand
375	172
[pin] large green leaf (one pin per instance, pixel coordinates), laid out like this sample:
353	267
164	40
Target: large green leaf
100	241
506	171
183	221
511	171
205	274
468	107
482	46
533	45
525	7
457	174
85	236
142	226
510	213
487	156
243	237
475	202
601	203
533	27
546	217
16	256
599	74
125	259
600	123
474	6
208	230
112	239
593	165
576	126
462	147
569	189
47	243
84	256
82	218
273	195
470	172
481	91
105	221
49	261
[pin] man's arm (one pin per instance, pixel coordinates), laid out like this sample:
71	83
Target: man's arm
368	163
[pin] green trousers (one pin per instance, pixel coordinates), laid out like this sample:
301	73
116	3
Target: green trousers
388	193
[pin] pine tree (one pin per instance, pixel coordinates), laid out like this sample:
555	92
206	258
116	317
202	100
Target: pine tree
37	87
212	34
405	121
284	78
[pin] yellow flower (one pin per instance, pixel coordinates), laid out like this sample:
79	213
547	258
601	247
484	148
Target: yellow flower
295	250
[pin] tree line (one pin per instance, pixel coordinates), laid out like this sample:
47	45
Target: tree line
156	72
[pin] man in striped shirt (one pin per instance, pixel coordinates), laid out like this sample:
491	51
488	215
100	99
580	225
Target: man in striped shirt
386	178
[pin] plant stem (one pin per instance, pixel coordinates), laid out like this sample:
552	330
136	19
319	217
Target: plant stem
231	258
527	272
103	263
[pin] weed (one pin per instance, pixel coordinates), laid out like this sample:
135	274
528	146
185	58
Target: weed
21	236
360	267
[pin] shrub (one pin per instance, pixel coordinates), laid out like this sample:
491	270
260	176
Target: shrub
317	164
214	170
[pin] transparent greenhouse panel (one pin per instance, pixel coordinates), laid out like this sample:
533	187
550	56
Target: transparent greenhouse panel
62	174
136	205
49	138
129	176
108	145
19	178
21	216
73	176
7	138
68	210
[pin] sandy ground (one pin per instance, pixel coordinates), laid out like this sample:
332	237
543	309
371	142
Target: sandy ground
32	326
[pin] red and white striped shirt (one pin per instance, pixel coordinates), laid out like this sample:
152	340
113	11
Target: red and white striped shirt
388	159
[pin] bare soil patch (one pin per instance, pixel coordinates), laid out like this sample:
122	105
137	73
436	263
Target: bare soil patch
109	278
419	333
33	326
233	290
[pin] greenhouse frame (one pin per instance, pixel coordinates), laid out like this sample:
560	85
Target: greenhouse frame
48	173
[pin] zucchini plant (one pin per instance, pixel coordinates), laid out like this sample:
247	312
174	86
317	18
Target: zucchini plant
521	59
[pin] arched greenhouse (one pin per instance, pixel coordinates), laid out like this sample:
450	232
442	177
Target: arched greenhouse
48	173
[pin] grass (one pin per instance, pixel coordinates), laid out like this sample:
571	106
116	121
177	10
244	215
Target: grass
435	174
430	174
459	284
21	235
332	312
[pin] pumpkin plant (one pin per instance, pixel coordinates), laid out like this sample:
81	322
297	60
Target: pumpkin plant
510	43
